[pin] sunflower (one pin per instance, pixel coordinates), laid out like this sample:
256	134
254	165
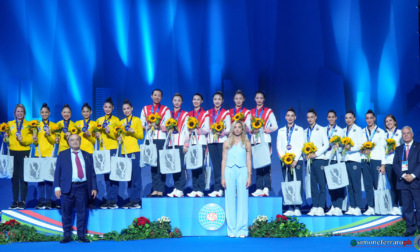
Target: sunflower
238	116
99	126
74	130
33	123
4	127
168	123
175	123
309	148
256	124
287	159
192	122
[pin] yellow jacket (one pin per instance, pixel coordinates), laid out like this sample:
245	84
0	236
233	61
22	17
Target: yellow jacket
46	143
109	140
64	145
88	143
130	139
26	142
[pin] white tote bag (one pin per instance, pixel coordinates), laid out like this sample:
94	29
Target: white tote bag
208	171
121	167
101	160
336	175
383	202
6	163
308	191
148	152
261	156
291	190
194	155
169	159
32	167
48	167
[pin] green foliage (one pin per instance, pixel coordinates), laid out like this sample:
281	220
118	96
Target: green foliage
396	229
281	227
13	231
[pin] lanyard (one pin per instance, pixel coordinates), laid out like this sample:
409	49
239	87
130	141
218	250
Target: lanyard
348	130
127	121
86	124
46	124
289	134
215	116
157	110
387	134
256	112
332	131
176	114
66	124
374	132
198	113
309	133
234	110
109	119
19	127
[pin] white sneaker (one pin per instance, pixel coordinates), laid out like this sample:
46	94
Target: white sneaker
357	212
369	211
297	212
313	211
192	194
320	212
178	193
199	194
395	211
220	193
266	192
172	193
257	193
213	194
337	212
288	213
350	211
330	212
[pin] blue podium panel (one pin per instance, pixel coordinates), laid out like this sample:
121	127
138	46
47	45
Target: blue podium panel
194	216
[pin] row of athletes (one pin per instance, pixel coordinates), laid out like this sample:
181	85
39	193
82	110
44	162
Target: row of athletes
290	140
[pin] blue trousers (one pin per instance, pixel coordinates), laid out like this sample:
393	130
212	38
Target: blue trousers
134	186
111	186
337	195
45	190
318	183
77	197
408	197
236	207
392	178
370	179
179	178
354	170
198	175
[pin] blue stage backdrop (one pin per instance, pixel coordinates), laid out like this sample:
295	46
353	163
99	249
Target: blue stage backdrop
325	54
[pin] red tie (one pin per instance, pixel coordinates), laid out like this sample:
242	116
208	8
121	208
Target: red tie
407	150
79	166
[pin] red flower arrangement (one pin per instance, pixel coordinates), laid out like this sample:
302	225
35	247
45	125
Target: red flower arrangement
141	221
280	217
12	223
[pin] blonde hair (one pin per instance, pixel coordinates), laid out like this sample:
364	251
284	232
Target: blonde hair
22	107
231	138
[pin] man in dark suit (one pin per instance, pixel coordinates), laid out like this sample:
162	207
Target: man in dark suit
407	167
74	178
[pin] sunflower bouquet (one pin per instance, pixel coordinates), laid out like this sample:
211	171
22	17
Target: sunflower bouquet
33	126
97	128
287	159
74	130
390	145
192	123
154	118
257	124
171	123
346	141
217	129
309	148
367	146
56	129
3	129
119	130
335	140
239	116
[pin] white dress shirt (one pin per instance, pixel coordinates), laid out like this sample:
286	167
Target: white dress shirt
337	131
405	153
75	177
296	141
378	137
356	134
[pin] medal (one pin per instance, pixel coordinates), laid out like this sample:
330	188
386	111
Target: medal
127	127
65	130
106	122
128	123
18	127
85	125
84	129
289	136
288	147
45	128
66	126
17	134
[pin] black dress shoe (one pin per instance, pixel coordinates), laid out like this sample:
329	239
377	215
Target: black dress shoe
151	196
407	234
83	239
66	239
158	196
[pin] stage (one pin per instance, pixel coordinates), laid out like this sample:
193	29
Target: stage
195	217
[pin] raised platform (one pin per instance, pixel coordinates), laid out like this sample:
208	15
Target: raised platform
195	217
